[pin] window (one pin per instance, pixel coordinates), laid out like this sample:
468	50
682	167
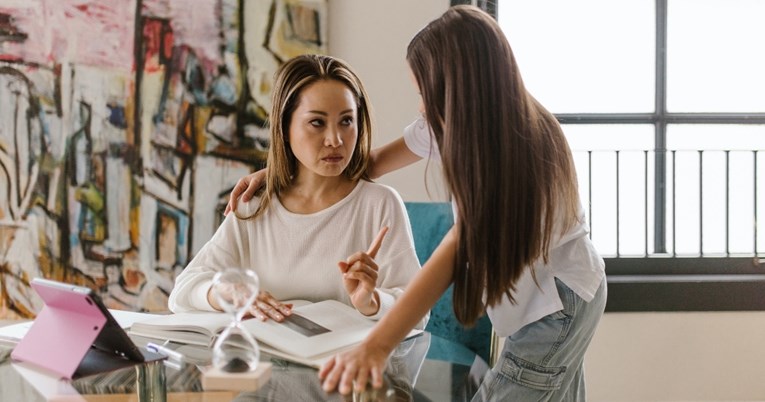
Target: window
663	104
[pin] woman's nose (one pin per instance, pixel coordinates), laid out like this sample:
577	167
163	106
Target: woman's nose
333	138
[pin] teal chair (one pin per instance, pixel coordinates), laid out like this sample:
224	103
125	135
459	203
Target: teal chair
430	221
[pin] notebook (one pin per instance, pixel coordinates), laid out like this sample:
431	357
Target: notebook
75	335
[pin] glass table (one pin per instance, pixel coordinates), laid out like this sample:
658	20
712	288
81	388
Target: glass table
412	375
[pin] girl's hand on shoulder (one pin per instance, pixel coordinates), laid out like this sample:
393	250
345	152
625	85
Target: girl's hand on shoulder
246	188
266	306
351	370
360	279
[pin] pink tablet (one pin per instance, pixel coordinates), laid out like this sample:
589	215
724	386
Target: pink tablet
75	335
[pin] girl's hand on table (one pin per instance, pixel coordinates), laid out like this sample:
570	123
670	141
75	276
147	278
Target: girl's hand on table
351	370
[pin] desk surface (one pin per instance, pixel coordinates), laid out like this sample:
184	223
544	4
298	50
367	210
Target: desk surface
433	379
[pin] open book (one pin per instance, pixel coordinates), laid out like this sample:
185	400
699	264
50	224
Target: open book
311	335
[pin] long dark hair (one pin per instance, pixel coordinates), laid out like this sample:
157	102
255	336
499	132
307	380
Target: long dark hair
505	158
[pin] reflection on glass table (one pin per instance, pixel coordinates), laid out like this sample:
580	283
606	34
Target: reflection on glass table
410	376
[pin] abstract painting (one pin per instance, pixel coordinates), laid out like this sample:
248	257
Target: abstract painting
123	126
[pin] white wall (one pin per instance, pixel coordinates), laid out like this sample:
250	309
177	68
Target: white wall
677	357
633	357
372	35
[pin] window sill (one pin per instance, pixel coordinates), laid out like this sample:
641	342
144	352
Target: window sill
685	284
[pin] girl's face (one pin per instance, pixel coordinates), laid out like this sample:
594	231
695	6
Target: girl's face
323	129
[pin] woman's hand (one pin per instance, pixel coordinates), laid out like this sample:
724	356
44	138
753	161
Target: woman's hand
246	188
266	306
360	279
352	369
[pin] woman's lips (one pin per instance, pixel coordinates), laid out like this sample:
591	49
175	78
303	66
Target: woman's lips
332	159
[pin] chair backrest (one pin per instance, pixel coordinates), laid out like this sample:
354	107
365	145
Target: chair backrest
430	221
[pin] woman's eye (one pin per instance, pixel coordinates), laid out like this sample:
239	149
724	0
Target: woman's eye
316	123
347	121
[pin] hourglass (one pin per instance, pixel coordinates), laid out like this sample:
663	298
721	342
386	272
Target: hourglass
235	350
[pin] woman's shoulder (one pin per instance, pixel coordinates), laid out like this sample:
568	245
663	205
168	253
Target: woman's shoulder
247	209
380	197
380	191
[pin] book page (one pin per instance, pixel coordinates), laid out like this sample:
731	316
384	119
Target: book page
196	328
313	329
14	332
126	319
312	333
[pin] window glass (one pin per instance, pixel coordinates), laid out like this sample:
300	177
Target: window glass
715	61
598	57
584	56
582	137
715	137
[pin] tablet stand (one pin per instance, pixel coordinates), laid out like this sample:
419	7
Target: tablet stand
61	337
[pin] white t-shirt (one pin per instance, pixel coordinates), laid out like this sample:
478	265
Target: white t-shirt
296	255
573	259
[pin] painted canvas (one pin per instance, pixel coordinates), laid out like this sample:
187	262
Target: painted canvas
123	126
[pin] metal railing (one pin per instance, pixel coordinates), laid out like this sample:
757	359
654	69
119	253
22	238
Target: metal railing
713	201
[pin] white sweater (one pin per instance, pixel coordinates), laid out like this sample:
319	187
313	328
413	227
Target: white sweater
296	255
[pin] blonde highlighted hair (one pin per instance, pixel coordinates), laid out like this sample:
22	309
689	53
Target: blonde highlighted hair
290	80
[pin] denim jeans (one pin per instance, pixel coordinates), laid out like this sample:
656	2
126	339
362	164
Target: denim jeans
543	361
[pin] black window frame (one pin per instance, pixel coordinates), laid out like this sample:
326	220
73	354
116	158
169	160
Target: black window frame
669	282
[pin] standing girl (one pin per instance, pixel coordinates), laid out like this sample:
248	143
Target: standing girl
519	249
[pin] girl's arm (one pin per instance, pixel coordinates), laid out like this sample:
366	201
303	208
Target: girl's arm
390	157
371	355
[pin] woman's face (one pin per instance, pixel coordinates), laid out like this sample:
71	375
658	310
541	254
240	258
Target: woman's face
323	129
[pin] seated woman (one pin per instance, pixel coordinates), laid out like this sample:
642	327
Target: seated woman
303	233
